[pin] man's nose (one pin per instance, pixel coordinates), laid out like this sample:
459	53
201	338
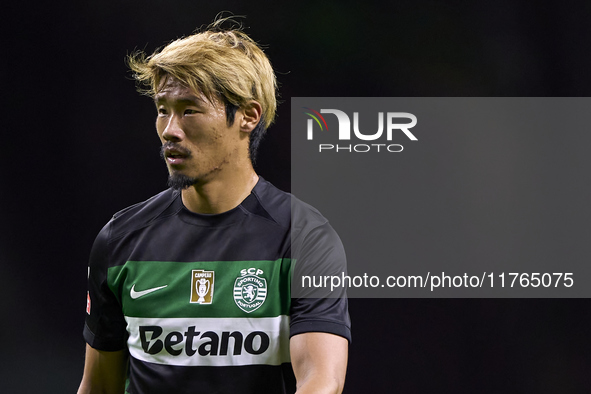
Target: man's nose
173	131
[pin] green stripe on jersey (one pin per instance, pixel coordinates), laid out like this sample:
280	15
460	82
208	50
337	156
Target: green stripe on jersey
169	289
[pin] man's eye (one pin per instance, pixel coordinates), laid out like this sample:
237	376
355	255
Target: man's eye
162	111
190	111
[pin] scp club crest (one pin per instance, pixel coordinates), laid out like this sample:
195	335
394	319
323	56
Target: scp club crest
250	290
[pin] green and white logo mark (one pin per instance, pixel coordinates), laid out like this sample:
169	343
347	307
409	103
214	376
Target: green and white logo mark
250	290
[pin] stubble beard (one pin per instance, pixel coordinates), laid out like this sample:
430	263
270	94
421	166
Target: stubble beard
181	181
178	181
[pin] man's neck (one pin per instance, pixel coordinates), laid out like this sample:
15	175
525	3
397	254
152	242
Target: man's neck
221	194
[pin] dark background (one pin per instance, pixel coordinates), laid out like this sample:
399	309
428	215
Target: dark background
79	144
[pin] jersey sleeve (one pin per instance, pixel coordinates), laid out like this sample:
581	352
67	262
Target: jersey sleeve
319	309
105	327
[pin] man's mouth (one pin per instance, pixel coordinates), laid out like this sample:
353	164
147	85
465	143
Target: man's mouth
174	155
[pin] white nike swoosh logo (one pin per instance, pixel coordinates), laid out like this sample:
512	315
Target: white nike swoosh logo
137	294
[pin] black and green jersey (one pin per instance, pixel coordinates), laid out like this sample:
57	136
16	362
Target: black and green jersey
204	302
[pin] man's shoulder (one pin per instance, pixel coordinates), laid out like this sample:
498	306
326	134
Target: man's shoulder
305	215
143	213
287	209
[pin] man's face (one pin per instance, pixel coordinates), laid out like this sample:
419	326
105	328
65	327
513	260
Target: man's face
197	143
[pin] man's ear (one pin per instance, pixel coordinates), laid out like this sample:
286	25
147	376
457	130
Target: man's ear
251	116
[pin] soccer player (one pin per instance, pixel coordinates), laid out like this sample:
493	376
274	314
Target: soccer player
190	291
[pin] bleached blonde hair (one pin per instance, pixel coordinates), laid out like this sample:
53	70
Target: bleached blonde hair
223	64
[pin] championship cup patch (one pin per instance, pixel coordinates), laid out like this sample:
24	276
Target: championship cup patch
250	290
202	287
